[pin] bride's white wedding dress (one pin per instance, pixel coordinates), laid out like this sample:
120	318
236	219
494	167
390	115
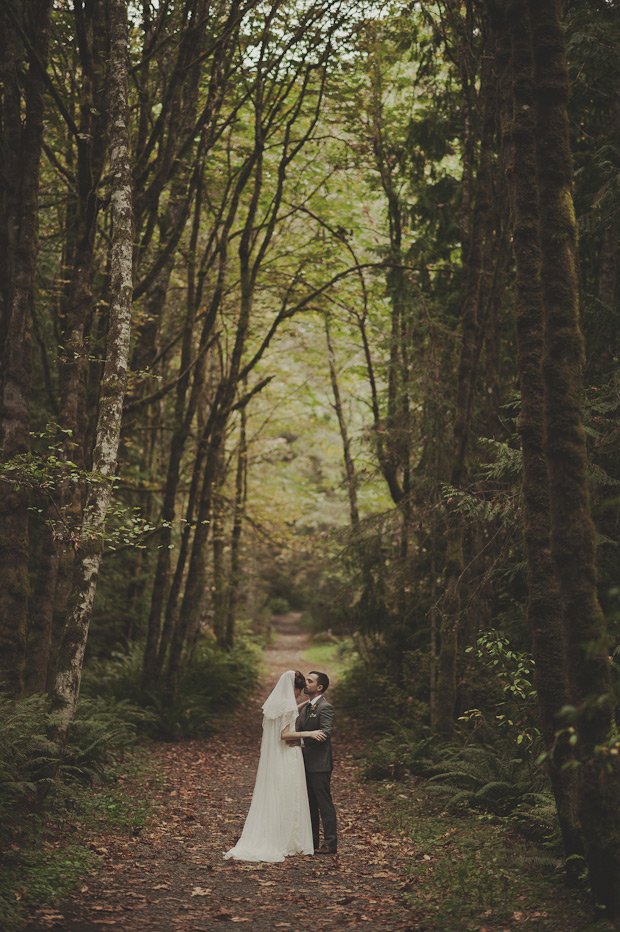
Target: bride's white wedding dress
278	823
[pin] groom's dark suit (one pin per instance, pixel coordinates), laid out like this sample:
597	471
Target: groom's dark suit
319	765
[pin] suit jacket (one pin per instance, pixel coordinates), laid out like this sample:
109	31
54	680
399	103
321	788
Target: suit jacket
318	754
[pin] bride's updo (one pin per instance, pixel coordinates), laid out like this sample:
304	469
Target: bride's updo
300	680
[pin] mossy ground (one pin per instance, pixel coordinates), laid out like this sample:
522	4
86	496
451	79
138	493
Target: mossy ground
57	851
474	873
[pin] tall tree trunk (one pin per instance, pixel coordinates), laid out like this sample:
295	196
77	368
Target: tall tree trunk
21	154
182	420
113	383
466	385
193	597
56	564
543	608
572	531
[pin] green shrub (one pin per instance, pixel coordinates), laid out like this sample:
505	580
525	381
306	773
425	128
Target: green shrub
116	678
212	681
390	695
485	778
30	878
279	606
103	727
26	759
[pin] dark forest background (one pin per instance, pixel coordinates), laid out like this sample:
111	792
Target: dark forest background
314	306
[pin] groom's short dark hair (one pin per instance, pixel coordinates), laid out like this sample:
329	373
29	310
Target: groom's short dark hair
322	679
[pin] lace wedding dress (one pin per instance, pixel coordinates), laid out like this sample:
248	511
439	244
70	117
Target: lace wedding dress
278	822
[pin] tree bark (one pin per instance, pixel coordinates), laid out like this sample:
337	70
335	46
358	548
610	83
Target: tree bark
241	492
113	383
572	531
218	587
544	612
21	148
466	386
349	465
56	564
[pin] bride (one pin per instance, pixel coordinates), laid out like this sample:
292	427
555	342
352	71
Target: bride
278	822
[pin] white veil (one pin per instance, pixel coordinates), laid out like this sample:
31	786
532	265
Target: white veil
281	699
278	822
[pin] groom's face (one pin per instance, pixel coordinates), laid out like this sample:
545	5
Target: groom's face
312	687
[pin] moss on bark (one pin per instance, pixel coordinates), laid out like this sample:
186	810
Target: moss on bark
572	529
543	609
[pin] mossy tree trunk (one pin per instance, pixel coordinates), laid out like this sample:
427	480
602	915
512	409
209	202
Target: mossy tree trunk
24	47
467	376
573	540
76	312
543	608
113	383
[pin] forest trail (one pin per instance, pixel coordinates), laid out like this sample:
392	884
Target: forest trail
172	877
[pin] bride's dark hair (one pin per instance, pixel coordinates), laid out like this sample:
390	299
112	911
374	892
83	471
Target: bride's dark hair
300	680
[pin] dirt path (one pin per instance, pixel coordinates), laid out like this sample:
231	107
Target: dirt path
173	876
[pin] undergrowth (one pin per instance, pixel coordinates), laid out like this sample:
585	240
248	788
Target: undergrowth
213	681
471	871
477	808
51	797
46	850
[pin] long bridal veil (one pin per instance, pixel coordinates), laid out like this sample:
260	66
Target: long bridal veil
278	822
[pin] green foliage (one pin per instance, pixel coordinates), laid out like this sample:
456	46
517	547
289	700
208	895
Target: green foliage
26	757
394	693
213	681
33	877
279	606
34	770
102	728
488	779
329	652
47	857
516	711
470	871
42	785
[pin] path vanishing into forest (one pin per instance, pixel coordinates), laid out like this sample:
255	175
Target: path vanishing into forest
172	876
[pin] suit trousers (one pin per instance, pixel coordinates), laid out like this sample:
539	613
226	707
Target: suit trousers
321	805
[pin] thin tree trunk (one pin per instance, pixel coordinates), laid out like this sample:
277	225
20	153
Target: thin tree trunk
218	587
113	384
193	596
572	531
466	383
182	420
21	154
241	492
349	465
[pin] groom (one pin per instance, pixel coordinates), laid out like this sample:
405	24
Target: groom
318	714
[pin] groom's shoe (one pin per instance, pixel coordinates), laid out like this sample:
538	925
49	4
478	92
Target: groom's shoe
327	849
